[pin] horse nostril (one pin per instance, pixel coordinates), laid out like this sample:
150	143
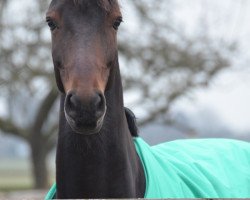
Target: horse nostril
99	101
91	106
72	100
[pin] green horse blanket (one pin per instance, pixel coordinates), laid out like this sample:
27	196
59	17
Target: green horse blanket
199	168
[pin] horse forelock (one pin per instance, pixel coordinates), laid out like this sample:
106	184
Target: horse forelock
106	5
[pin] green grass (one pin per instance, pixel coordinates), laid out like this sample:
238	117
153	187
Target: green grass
15	180
16	175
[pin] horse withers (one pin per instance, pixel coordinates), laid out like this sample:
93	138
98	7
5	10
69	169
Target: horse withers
99	153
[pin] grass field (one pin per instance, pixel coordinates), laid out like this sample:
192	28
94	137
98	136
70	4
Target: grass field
16	175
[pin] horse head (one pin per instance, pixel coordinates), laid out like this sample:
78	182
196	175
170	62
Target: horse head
84	51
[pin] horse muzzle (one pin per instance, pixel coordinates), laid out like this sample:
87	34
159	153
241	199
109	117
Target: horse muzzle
85	115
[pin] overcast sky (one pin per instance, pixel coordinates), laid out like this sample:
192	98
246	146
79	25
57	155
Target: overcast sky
229	94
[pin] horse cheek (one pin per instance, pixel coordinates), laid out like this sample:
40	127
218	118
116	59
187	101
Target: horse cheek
59	80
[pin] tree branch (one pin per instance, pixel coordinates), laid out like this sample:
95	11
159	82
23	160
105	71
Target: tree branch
44	110
7	126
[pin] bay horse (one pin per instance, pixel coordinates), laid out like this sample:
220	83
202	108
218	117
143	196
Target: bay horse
96	156
99	153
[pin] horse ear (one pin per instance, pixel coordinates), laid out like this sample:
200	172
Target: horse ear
58	80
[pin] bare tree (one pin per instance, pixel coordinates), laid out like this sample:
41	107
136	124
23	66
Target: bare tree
162	64
26	84
159	62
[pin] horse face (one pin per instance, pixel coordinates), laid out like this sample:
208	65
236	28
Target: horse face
84	50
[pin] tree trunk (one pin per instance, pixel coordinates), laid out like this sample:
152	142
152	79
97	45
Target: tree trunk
39	166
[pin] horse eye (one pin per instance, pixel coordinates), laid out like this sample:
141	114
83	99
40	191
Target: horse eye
52	25
117	23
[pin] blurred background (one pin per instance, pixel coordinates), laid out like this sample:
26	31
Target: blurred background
185	69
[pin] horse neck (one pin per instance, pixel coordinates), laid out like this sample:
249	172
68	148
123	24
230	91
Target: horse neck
102	165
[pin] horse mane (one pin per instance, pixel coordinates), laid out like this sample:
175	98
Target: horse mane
132	125
105	5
